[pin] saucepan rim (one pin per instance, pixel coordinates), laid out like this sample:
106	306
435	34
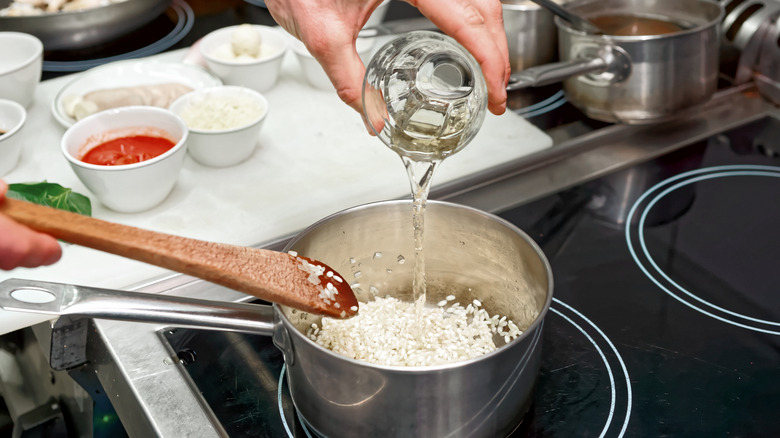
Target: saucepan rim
528	332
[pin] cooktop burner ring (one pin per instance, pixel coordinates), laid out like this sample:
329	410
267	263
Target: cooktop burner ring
543	107
185	18
621	365
584	326
655	194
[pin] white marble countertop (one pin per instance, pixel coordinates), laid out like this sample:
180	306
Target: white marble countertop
313	158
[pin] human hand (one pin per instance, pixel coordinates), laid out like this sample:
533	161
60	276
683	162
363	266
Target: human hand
22	247
329	29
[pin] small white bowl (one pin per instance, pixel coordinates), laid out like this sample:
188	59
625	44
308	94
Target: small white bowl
313	71
134	187
12	119
223	145
21	65
260	74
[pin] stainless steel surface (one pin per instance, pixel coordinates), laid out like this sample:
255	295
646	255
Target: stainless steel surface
579	157
470	254
746	30
767	68
71	300
141	375
531	35
669	72
86	28
744	19
578	22
608	61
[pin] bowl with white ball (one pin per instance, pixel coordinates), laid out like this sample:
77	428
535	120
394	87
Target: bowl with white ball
248	55
224	123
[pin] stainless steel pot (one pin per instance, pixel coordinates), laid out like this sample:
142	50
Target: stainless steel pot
470	254
86	28
636	79
531	34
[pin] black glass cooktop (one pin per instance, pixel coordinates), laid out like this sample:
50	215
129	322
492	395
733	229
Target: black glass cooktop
665	319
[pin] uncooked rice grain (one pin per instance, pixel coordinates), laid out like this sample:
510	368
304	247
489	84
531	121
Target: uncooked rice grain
386	331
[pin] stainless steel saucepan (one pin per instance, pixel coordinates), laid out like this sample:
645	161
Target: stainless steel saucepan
469	253
88	27
531	35
638	78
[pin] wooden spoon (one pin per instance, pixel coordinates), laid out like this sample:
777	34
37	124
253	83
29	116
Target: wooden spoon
270	275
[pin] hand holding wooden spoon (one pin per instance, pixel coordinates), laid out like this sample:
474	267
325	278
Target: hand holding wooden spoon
274	276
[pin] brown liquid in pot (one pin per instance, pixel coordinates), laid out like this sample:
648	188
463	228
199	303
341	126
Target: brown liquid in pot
629	25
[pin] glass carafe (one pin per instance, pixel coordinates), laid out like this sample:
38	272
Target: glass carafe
424	96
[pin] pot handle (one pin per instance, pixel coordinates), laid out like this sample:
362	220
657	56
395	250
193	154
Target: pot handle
611	62
555	72
58	299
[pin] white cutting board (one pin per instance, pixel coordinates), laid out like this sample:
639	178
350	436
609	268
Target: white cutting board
313	158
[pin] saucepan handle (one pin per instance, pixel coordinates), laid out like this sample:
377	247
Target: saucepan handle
58	299
610	63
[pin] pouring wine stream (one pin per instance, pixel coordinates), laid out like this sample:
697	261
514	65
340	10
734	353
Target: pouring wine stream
430	96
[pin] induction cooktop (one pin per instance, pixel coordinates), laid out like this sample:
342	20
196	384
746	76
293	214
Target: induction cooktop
665	319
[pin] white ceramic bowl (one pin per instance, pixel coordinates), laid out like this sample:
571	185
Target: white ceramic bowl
21	65
134	187
260	74
313	71
222	145
12	118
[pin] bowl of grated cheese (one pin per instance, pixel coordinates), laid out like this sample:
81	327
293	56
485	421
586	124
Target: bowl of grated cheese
224	123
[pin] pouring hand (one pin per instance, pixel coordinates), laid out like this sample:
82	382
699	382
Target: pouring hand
23	247
329	29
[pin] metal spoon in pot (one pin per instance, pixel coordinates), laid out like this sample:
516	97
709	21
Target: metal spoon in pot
579	22
290	280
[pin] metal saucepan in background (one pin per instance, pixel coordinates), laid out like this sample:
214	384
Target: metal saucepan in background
469	253
531	34
85	28
636	79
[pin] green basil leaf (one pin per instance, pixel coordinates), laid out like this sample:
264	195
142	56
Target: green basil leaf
51	195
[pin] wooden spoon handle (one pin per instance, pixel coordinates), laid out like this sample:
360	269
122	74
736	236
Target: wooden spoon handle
270	275
223	264
165	250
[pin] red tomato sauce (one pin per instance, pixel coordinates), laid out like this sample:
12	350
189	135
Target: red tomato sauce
127	150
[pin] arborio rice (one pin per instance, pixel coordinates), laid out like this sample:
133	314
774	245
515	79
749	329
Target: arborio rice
386	332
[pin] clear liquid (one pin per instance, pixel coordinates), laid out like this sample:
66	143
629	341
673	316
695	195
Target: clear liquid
431	97
429	108
420	175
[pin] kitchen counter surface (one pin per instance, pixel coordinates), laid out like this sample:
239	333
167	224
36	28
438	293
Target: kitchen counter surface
313	158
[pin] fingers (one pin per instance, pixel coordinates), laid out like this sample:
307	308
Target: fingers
477	25
23	247
345	69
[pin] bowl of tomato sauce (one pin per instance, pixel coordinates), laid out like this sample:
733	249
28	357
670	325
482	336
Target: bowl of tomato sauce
130	157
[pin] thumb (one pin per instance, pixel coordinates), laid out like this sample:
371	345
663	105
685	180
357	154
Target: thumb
345	70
